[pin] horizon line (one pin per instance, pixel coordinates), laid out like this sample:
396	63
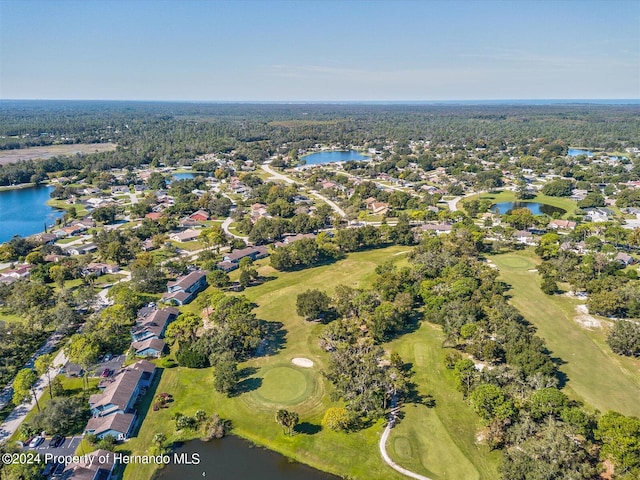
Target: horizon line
281	102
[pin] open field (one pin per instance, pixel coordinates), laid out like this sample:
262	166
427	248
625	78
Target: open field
594	374
509	196
42	153
273	382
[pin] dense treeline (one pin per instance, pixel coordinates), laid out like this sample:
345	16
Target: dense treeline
168	132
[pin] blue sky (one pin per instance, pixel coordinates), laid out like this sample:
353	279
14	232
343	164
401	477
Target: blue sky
319	50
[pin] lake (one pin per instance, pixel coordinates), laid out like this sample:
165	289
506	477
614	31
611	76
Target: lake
535	207
235	458
574	152
24	212
320	158
182	176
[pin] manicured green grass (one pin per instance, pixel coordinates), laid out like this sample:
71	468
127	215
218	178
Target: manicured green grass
594	374
64	241
189	246
7	317
438	442
275	383
509	196
81	211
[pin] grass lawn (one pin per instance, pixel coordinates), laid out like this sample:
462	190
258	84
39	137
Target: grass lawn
7	317
189	246
594	374
64	241
509	196
81	211
274	382
109	278
73	388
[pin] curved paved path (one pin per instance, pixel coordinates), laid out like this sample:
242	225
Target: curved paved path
387	459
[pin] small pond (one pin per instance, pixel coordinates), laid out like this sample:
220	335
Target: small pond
535	207
574	152
235	458
328	157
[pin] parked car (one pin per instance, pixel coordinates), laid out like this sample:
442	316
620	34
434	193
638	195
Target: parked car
36	441
106	372
56	440
108	357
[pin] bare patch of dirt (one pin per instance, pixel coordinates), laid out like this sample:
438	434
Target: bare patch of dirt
42	153
584	319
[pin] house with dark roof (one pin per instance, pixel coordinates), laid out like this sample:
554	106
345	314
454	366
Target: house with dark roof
625	259
97	465
185	288
119	396
153	324
231	261
289	239
118	425
151	347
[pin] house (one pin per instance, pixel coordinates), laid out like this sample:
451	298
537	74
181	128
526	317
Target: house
437	228
188	235
155	216
562	224
227	266
54	258
101	268
199	216
184	289
525	237
81	249
625	259
252	252
120	392
379	208
119	189
154	324
21	271
119	396
151	347
118	425
97	465
289	239
258	210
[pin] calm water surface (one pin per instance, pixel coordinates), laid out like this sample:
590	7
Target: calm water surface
233	458
182	176
536	208
328	157
574	152
24	212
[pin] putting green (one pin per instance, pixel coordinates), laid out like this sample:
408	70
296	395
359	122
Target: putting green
283	386
515	262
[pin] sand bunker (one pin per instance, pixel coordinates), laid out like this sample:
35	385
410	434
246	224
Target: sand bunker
302	362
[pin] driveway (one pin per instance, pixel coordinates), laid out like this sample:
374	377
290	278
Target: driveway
67	448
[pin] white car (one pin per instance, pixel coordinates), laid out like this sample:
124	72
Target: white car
36	441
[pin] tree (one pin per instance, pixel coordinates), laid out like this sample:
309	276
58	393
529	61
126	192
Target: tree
287	419
43	365
312	304
336	418
225	373
490	403
183	331
218	279
105	215
558	188
63	415
83	350
624	338
24	387
620	437
145	275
